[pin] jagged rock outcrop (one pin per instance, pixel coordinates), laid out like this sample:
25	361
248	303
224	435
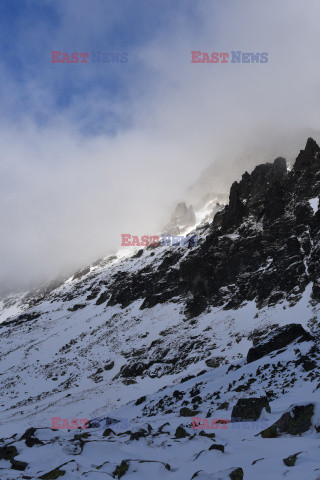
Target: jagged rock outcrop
263	246
259	194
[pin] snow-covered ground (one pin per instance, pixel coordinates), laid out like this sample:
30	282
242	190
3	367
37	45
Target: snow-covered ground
65	356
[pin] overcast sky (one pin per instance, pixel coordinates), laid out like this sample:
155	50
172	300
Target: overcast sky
90	151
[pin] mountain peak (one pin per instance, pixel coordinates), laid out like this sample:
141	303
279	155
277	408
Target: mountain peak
306	158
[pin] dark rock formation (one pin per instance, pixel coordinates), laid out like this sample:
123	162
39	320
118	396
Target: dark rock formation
291	460
215	362
29	437
181	433
121	469
280	338
249	409
77	306
133	370
103	298
18	465
217	446
208	435
139	434
8	452
236	474
294	422
109	365
107	432
53	474
141	400
187	412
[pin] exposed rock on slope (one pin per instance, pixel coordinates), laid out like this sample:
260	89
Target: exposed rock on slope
294	422
279	338
249	408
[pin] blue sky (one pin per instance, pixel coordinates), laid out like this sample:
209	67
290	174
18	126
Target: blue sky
30	30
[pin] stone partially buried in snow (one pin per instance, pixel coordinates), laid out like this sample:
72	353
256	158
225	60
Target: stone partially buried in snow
8	452
53	474
232	473
249	409
217	446
236	474
294	422
30	438
18	465
181	432
278	339
187	412
291	460
215	362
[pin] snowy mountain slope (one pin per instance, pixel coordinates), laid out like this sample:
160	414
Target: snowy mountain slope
88	453
161	320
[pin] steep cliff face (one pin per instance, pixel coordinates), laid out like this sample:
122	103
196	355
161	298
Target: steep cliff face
264	244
